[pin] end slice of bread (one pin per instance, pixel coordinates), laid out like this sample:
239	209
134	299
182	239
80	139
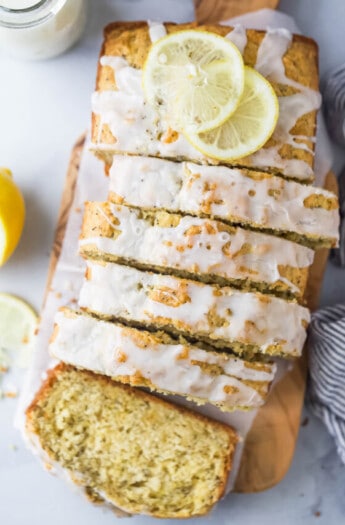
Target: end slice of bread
133	450
123	123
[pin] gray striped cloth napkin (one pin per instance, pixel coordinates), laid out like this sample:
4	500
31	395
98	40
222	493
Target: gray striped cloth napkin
333	97
326	386
327	371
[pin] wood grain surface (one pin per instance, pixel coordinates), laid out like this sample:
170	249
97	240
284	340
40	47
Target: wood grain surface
218	10
65	206
270	444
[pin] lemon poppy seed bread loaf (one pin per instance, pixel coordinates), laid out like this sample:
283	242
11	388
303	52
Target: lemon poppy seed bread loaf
195	266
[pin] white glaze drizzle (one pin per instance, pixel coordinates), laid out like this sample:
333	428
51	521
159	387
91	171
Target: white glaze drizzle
128	83
114	350
139	129
130	294
269	61
156	30
270	64
183	186
238	36
198	245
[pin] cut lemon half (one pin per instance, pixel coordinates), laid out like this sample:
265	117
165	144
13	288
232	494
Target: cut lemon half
17	323
195	78
248	129
12	215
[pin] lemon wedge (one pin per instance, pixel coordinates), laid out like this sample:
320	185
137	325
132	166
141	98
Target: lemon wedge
250	126
12	215
195	78
17	323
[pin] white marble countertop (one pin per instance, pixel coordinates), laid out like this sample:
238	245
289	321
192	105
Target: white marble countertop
44	107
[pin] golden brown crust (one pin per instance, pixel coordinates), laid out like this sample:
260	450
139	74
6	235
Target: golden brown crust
131	40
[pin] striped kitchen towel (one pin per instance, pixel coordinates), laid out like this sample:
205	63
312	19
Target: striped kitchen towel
333	98
326	391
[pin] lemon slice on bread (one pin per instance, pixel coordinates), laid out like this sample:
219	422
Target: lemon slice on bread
195	78
248	128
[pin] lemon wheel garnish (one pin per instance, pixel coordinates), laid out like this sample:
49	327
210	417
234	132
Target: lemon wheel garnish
17	323
195	78
248	129
12	215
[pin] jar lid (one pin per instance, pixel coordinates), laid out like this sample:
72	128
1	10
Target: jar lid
27	13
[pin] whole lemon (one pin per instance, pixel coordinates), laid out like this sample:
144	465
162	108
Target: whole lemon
12	214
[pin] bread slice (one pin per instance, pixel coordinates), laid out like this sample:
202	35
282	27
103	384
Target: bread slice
129	448
159	362
123	122
192	247
255	200
221	316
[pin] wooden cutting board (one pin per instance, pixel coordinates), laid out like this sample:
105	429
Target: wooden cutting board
270	444
218	10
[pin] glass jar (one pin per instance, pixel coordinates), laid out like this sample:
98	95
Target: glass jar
34	30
